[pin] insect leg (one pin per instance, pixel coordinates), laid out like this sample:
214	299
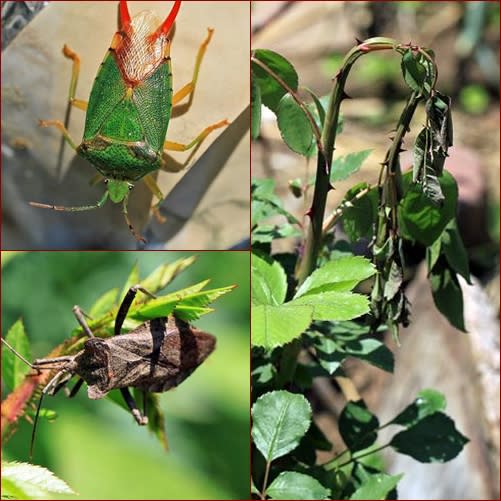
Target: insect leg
60	126
135	234
75	388
131	404
169	145
126	303
152	185
189	88
75	71
80	316
98	205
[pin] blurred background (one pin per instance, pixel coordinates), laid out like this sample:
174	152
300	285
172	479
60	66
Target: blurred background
95	446
37	167
315	36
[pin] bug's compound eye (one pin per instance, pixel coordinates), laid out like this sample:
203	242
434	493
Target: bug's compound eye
130	186
106	181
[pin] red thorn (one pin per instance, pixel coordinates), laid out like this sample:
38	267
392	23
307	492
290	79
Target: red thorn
124	15
169	21
364	48
309	213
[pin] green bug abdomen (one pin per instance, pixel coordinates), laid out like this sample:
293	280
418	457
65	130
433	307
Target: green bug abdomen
126	122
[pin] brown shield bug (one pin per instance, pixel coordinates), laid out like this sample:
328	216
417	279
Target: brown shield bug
155	356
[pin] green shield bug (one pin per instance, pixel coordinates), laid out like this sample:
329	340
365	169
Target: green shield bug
129	109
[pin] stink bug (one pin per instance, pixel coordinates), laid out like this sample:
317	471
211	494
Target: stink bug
129	109
154	357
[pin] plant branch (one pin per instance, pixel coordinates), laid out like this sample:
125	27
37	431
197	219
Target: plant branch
316	212
297	99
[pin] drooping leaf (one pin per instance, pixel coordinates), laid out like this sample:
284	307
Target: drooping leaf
294	126
455	253
271	90
427	402
269	283
438	109
421	219
280	420
394	281
358	426
428	165
344	167
28	481
377	486
433	252
13	369
277	325
359	214
293	485
255	108
433	439
447	293
413	70
338	275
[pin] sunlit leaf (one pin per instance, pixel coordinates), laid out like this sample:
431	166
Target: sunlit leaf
280	420
28	481
271	90
293	485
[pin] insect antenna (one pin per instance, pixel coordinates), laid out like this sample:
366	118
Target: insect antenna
52	387
18	355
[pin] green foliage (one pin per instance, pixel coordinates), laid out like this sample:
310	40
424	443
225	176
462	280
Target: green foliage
294	126
271	91
420	218
344	167
310	309
377	486
326	295
280	421
14	369
28	481
266	204
293	485
433	439
196	415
